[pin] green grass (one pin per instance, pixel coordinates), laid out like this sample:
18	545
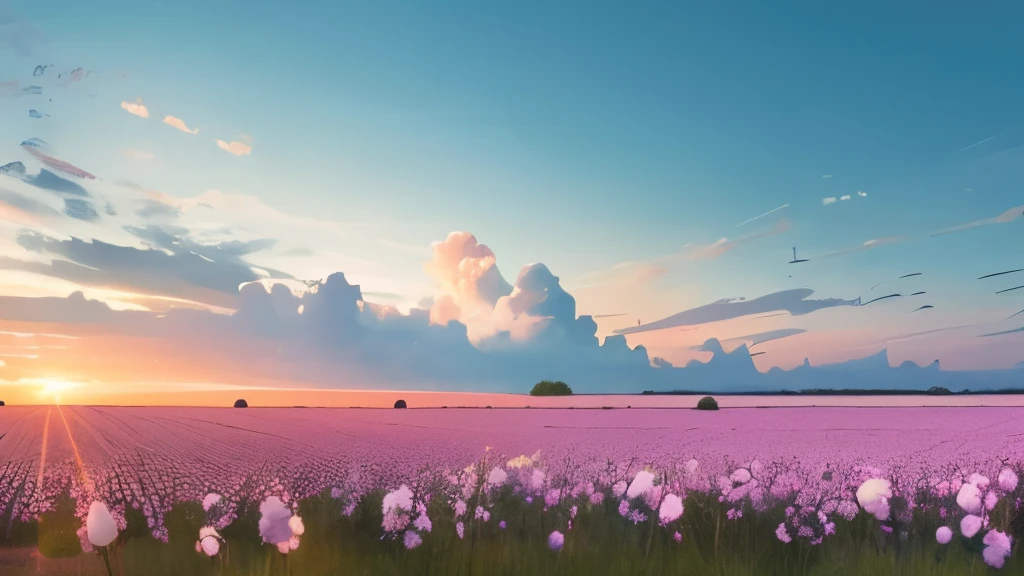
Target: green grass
601	542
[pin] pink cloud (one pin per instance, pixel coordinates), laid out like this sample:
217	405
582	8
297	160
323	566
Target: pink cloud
235	147
179	124
137	108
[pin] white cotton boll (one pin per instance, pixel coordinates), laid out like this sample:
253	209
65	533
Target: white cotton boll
643	482
873	495
970	525
100	525
537	480
274	517
943	535
210	501
398	499
978	480
671	509
1008	480
210	545
296	525
740	476
969	498
997	548
497	477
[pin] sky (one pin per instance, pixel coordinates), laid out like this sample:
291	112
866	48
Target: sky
656	158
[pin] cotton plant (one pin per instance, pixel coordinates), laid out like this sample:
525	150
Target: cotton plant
279	526
405	515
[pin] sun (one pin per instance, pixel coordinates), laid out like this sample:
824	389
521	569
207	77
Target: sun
52	388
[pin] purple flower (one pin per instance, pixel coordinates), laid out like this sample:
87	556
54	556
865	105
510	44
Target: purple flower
412	540
943	535
677	537
556	540
501	524
782	534
460	529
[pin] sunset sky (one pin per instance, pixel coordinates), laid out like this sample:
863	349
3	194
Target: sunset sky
655	158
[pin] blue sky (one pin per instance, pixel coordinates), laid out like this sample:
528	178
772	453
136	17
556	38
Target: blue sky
580	135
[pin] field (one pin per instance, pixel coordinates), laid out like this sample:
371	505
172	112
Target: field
553	491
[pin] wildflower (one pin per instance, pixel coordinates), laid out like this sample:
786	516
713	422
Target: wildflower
734	514
100	525
997	548
556	540
497	477
596	498
782	534
552	498
619	488
943	535
460	529
671	509
502	525
643	482
422	523
677	537
1007	480
537	480
624	508
873	495
970	525
412	539
460	508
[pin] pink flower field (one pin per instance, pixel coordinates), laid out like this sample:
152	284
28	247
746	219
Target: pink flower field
822	466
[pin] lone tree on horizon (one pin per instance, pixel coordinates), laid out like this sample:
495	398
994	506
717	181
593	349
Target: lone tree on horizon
549	388
2	403
707	403
400	404
241	403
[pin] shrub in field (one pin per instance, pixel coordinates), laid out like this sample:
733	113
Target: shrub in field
550	388
241	403
58	531
400	404
707	403
2	403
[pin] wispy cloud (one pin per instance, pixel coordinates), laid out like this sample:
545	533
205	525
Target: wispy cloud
179	124
1006	217
793	301
137	154
235	147
978	143
861	193
873	243
772	211
826	176
137	108
725	245
829	200
844	198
